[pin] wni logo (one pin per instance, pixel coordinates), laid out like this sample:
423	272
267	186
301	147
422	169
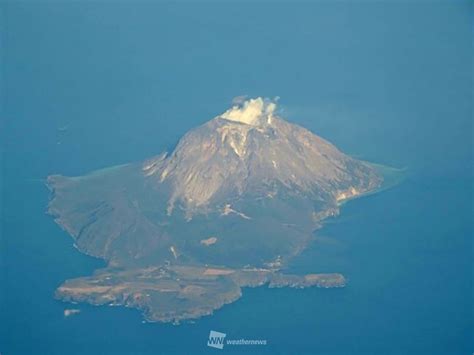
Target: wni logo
216	340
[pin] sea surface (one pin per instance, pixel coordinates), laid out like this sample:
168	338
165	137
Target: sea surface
92	85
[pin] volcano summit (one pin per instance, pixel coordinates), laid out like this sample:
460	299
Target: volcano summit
183	232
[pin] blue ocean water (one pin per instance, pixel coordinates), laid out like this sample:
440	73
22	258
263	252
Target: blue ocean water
385	82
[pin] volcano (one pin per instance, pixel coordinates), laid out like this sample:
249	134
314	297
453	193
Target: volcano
183	232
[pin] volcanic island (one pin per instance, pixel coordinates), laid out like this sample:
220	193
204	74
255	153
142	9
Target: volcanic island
183	232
